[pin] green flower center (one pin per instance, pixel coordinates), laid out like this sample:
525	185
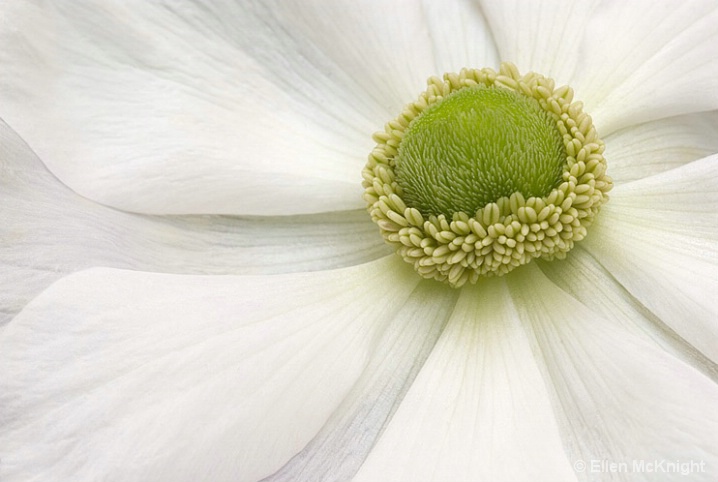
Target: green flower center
485	172
475	146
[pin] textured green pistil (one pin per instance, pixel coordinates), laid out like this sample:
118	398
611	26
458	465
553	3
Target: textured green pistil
476	146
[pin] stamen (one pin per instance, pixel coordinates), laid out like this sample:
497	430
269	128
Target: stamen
433	224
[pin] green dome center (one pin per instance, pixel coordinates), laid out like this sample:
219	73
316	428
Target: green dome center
475	146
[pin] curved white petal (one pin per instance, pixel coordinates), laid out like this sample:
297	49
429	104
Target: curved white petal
585	279
648	60
478	410
540	36
460	36
339	449
48	231
223	108
120	375
647	149
629	62
659	238
619	399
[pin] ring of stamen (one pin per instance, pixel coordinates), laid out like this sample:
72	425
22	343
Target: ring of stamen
510	231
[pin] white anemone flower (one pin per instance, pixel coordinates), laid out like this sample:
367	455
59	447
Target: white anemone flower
203	296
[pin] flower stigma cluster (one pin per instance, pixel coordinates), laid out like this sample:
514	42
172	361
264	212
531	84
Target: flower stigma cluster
484	172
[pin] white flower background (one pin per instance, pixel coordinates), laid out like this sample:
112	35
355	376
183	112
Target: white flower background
192	290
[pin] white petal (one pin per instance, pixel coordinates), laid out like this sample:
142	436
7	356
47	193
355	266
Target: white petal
478	410
339	449
48	231
620	399
647	149
120	375
629	62
229	108
460	36
583	277
658	237
540	36
648	60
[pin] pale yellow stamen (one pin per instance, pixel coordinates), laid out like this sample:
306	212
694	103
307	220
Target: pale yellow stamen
460	247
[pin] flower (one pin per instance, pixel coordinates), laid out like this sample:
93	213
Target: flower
317	354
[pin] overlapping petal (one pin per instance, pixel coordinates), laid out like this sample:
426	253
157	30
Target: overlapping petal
629	62
585	279
340	448
617	396
654	147
580	380
171	108
540	36
657	237
460	37
48	231
645	60
479	408
188	377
